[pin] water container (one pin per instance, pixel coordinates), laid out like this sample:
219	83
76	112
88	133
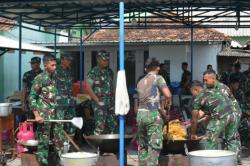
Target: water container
76	88
176	87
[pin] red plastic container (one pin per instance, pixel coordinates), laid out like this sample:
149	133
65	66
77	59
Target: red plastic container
76	88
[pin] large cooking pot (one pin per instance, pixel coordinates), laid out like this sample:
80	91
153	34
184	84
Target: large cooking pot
79	159
212	157
180	146
108	143
5	109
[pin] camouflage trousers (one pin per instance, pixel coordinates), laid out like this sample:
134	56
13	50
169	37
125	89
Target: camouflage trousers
67	113
244	130
227	127
105	120
149	137
43	135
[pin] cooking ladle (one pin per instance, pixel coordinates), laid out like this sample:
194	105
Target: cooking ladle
77	121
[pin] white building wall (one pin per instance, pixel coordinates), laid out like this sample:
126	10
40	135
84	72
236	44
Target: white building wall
202	56
175	53
10	75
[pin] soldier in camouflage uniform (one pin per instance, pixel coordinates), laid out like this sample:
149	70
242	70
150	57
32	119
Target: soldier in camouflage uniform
244	128
66	103
211	82
186	79
43	104
100	89
237	75
149	120
238	93
224	117
224	77
28	77
247	76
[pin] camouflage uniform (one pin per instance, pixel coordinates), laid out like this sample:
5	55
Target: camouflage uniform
247	76
224	78
241	78
224	118
227	92
102	83
66	103
148	119
244	128
239	96
28	77
43	100
186	78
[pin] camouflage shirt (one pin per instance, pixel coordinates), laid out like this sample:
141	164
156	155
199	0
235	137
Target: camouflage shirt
247	76
186	79
227	92
241	78
214	103
239	96
43	95
28	77
224	78
148	89
64	82
102	83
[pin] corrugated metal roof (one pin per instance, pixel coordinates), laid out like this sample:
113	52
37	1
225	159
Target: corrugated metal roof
228	52
14	44
66	13
234	33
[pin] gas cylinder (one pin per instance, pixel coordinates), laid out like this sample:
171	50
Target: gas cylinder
25	133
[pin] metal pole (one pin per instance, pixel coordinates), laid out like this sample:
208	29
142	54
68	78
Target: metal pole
20	55
55	43
81	61
121	54
192	49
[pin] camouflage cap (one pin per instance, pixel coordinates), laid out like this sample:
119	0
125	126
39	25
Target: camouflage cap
35	60
67	56
103	54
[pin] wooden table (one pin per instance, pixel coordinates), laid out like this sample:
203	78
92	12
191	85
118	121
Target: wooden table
8	123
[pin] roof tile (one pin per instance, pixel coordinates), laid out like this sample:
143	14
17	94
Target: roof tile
157	35
4	27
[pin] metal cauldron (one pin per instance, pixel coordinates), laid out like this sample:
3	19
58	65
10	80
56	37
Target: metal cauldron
180	146
212	157
5	109
31	145
108	143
